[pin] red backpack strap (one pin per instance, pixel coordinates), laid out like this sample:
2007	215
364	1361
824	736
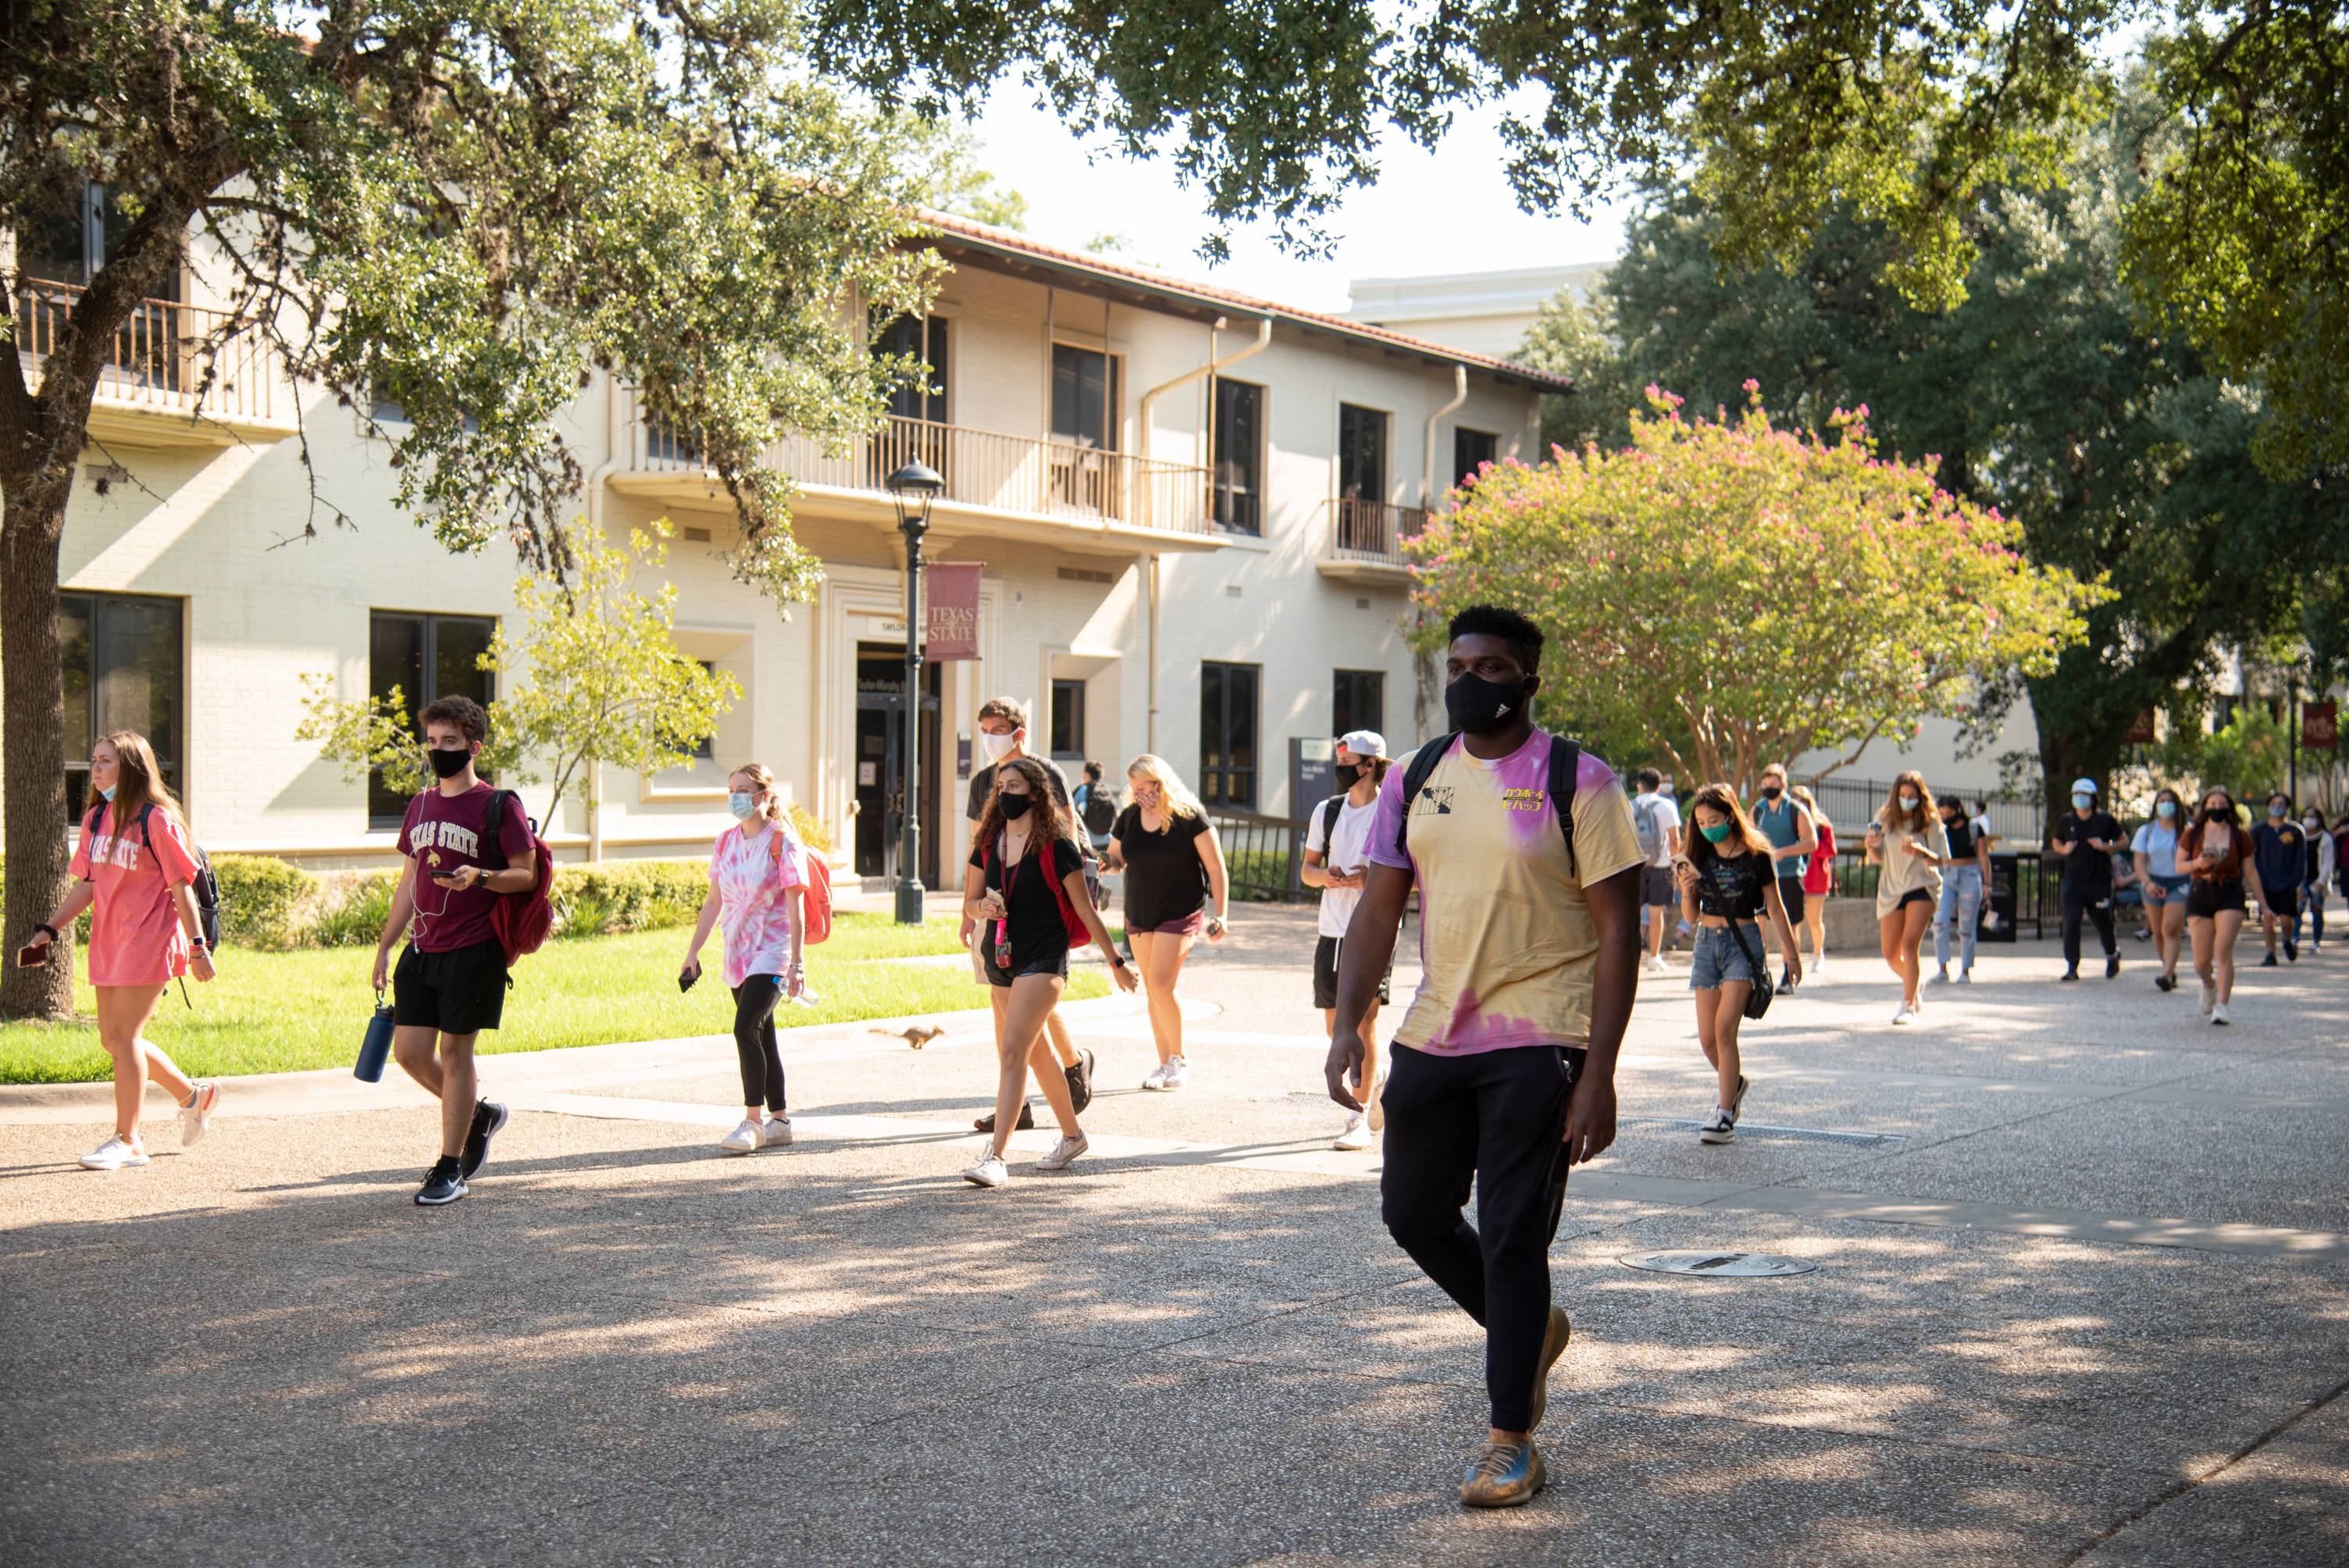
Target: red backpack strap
1079	933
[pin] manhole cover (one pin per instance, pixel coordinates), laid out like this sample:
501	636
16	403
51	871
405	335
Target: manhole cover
1722	1265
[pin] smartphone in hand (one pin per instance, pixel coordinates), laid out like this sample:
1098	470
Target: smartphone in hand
34	955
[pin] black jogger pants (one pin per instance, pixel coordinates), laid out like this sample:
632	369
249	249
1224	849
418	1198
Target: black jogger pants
754	1041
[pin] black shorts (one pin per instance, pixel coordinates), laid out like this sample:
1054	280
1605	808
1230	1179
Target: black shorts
1325	974
2205	899
1657	888
1053	963
2283	902
1790	890
1914	896
459	992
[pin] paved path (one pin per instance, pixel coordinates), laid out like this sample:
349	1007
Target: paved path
2083	1294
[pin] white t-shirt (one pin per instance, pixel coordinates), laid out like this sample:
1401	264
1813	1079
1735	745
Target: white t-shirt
1666	815
1346	851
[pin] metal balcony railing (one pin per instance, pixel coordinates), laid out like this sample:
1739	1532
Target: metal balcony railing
1372	531
176	358
981	468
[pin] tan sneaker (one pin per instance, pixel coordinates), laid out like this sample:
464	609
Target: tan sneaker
1561	1329
1506	1475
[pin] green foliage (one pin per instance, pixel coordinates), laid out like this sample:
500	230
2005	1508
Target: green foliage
353	909
810	829
263	899
380	733
627	895
1739	593
595	675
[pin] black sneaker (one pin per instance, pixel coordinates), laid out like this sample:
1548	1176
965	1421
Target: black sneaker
2111	964
2069	975
1737	1100
1027	1119
444	1183
1785	978
2269	962
2165	982
1081	1080
489	1117
2291	952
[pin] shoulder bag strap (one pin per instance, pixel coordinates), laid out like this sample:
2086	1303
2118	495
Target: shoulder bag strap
1564	764
1414	780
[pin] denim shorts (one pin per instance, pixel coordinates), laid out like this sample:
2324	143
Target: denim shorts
1719	959
2173	886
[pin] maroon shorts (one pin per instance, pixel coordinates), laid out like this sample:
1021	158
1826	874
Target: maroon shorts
1190	924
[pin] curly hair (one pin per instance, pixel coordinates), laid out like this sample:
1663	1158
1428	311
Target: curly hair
1050	819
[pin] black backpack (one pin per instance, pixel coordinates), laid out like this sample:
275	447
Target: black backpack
1100	810
205	886
1565	758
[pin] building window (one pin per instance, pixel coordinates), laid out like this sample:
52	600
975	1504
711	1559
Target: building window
1361	454
427	657
124	669
1227	711
1239	456
1068	733
1360	703
706	749
387	409
1084	398
1471	450
924	339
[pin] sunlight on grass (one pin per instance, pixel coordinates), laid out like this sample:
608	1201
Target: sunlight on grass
282	1012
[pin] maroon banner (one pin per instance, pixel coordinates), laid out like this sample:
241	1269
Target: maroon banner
2319	726
2141	733
950	629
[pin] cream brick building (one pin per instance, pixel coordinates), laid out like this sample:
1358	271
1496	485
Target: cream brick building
1198	562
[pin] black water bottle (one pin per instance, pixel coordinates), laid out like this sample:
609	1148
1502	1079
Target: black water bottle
376	1049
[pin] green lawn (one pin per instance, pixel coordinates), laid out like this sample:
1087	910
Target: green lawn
278	1012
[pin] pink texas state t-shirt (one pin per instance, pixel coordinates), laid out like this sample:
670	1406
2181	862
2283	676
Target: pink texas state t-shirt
1506	946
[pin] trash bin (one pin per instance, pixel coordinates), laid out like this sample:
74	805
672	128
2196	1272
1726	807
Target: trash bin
2002	905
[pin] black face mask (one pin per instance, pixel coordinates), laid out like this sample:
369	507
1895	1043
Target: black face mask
1772	791
1016	806
449	764
1348	774
1476	706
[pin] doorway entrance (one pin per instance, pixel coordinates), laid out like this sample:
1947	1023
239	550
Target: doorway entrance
880	762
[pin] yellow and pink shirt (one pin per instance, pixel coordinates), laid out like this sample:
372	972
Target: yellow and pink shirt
135	935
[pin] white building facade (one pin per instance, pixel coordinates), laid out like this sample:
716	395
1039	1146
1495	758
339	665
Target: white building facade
1188	505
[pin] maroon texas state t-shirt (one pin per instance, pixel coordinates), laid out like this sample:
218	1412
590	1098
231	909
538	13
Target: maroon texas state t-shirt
441	834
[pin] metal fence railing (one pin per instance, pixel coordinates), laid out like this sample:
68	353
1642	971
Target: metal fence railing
1262	855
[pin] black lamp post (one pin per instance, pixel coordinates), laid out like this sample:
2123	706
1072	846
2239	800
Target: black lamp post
913	488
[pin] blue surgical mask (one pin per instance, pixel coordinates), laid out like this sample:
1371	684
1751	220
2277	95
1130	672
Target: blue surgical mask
2082	803
742	803
106	793
2164	809
2276	809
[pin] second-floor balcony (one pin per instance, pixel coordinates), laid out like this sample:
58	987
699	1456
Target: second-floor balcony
997	485
1366	539
173	375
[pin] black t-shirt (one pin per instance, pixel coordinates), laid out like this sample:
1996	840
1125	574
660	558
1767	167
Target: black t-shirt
2089	870
1034	915
1962	837
982	785
1166	879
1733	885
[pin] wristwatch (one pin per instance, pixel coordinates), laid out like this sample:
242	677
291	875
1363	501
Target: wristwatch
1216	923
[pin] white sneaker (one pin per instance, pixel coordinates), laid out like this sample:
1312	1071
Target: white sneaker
2219	1015
1375	1107
744	1139
2210	997
1905	1013
196	1116
1356	1134
1818	964
990	1172
1178	1071
776	1134
1157	1078
1719	1128
1965	976
1654	964
1064	1153
113	1155
1940	978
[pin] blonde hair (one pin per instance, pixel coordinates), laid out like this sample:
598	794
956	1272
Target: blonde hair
137	782
1175	797
757	774
1802	792
1891	816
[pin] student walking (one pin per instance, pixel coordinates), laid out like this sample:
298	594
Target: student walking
2323	856
2216	852
757	877
1003	737
134	869
450	982
1176	890
2155	851
1728	882
1096	807
1908	842
1818	878
2087	838
1656	818
1792	840
1024	890
1503	1073
1337	860
1964	880
2279	862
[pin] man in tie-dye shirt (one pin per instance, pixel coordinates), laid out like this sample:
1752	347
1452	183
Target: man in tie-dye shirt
1503	1070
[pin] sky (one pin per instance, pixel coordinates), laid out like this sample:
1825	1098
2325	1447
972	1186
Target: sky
1449	211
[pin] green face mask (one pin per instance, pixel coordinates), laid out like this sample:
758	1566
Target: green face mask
1715	833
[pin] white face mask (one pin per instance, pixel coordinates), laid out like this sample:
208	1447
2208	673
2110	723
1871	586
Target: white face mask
1908	802
996	747
742	803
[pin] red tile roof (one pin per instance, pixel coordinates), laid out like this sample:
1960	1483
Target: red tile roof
1006	241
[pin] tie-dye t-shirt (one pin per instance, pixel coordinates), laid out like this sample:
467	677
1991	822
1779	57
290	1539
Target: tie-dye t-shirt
1506	946
752	880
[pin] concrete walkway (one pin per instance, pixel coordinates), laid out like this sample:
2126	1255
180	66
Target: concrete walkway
2083	1294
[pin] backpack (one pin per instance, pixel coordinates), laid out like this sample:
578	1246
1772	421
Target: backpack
1079	934
204	885
1100	810
521	920
815	890
1565	757
1650	831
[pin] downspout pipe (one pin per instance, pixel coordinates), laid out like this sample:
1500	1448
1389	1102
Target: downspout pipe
1459	396
617	436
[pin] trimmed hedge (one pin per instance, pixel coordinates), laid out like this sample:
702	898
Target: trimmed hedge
627	895
264	901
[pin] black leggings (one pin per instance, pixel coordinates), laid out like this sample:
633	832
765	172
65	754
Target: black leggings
754	1041
2076	904
1499	1117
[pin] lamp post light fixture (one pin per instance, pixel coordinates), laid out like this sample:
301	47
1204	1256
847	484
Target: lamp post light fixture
913	488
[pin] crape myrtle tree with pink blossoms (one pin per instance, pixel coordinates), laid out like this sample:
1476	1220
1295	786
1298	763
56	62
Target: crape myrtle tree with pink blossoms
1726	592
